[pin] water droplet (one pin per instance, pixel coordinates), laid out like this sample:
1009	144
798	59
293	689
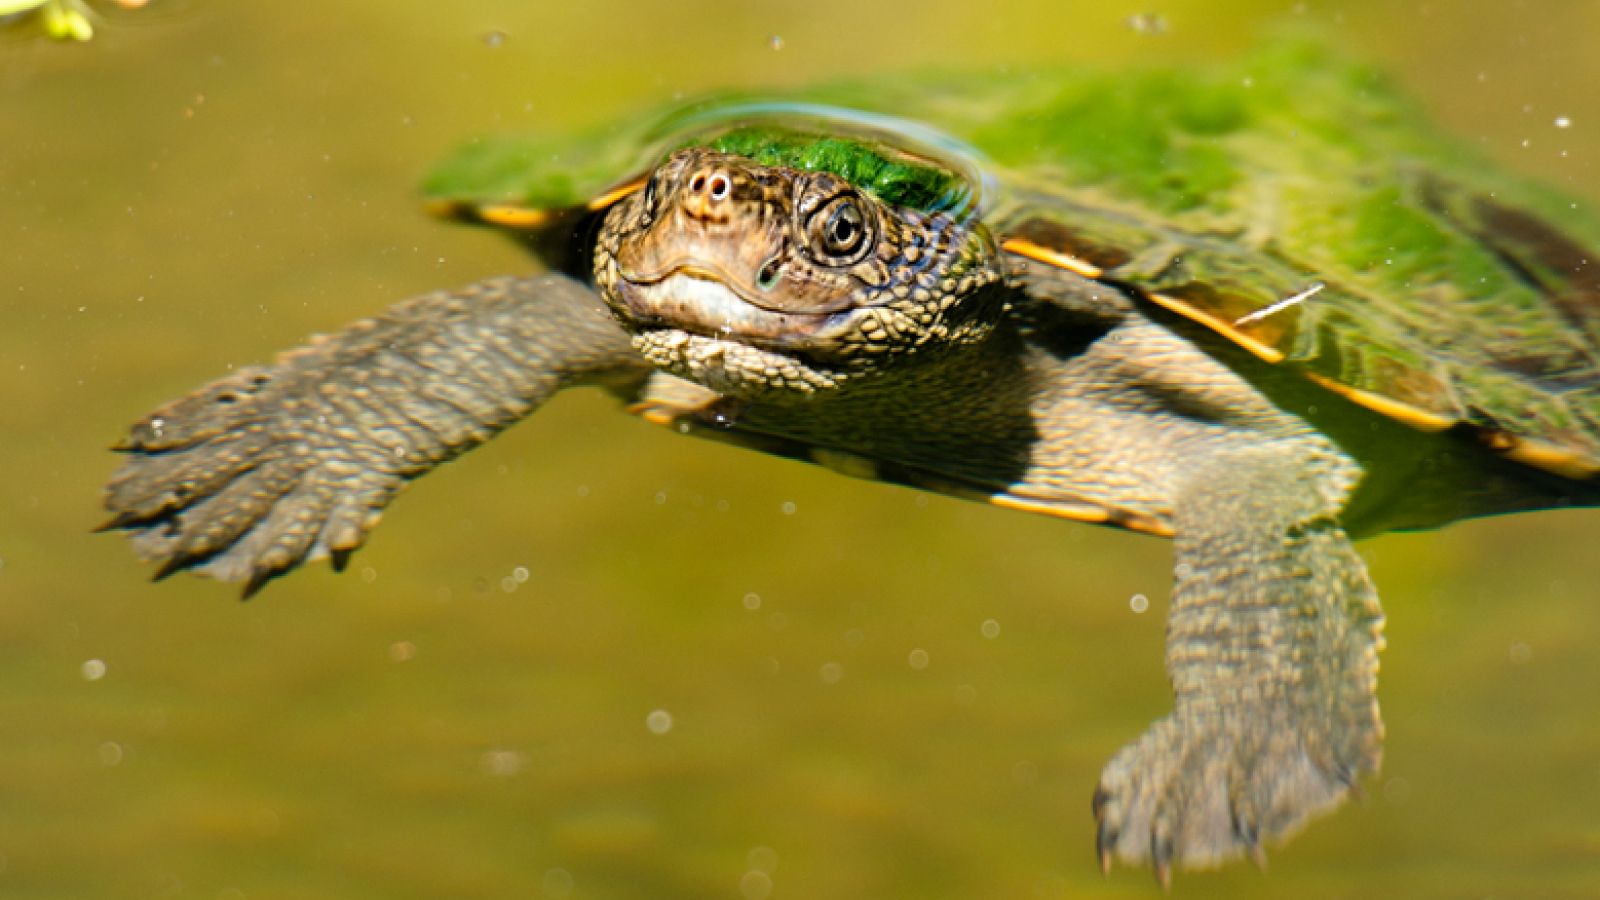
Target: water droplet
918	659
752	601
788	508
495	38
1139	603
93	669
990	629
659	721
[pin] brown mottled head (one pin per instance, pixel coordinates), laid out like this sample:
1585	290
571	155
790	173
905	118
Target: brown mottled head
755	279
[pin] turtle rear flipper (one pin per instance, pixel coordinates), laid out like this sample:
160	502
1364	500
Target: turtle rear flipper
1272	647
254	474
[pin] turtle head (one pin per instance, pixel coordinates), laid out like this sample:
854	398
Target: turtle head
759	280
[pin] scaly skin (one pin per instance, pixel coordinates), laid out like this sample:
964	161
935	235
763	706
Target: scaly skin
272	466
899	344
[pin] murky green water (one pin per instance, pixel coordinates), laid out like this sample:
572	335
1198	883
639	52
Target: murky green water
206	183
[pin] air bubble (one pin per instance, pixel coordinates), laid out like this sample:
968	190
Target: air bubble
501	763
918	658
755	885
762	859
1148	23
1139	603
93	669
989	629
659	721
557	883
1563	122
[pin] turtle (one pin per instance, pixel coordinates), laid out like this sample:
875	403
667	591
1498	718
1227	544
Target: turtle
1261	309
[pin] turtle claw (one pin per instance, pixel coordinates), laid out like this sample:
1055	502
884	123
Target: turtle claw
258	580
1162	864
171	566
1105	836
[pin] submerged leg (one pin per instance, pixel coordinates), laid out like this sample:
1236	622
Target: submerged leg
1272	646
257	472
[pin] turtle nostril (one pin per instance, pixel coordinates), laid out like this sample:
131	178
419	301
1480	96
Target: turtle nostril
719	186
767	278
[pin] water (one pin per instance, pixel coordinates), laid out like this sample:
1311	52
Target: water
468	711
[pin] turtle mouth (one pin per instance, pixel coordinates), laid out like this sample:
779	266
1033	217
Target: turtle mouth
701	300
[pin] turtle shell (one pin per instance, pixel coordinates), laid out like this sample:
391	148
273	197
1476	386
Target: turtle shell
1291	203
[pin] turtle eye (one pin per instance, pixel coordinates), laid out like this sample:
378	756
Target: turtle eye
839	230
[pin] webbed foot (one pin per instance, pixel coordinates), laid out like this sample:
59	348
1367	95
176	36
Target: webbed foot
1200	790
250	476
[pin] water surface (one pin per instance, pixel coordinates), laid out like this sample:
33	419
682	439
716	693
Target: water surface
868	692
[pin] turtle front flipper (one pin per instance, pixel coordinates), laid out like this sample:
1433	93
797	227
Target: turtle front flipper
1272	645
257	472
